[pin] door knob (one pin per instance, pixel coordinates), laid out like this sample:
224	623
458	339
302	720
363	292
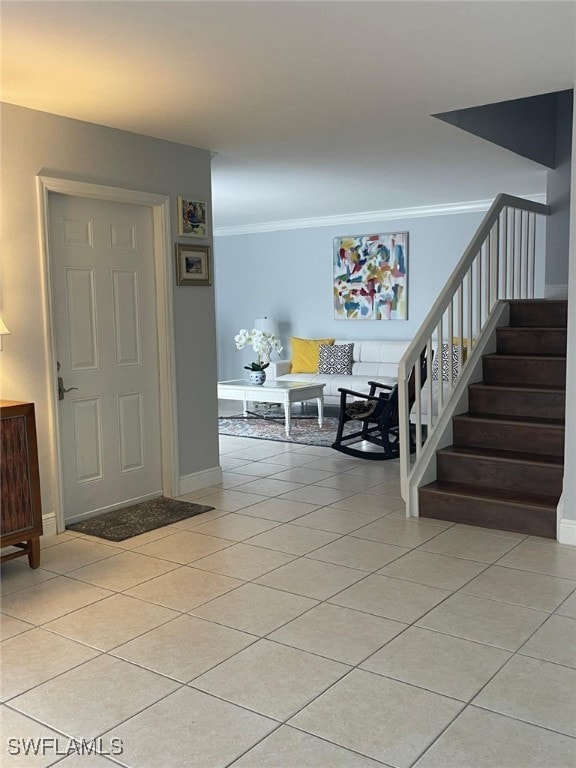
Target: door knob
61	389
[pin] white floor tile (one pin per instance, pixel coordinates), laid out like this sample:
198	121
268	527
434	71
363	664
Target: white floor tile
184	648
459	669
229	601
271	679
533	590
338	633
37	656
110	622
235	527
484	621
391	598
288	747
94	697
535	691
293	539
280	510
358	553
243	561
316	494
197	730
434	570
554	641
255	609
469	545
51	599
18	575
548	558
20	735
9	626
311	578
123	571
184	588
490	740
74	554
385	730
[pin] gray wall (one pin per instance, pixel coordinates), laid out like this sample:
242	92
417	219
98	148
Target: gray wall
288	275
36	142
525	126
558	196
539	127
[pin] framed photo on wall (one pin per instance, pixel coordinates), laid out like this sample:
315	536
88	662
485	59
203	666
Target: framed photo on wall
191	217
370	277
193	265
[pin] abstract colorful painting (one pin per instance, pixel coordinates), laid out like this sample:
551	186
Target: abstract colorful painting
370	277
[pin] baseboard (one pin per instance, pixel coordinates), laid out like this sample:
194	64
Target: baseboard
49	524
198	480
567	532
112	507
556	291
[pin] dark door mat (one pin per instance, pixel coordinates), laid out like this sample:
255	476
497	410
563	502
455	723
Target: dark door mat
139	518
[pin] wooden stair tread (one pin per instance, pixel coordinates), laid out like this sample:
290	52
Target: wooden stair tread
523	356
532	328
535	302
517	388
492	494
518	457
513	421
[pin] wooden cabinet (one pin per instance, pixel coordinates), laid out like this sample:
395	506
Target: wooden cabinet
21	511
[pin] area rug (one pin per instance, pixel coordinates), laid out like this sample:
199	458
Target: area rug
303	429
139	518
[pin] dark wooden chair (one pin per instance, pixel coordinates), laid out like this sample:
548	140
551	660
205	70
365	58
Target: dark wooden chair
377	414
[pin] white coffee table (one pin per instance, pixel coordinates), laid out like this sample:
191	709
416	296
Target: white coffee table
286	392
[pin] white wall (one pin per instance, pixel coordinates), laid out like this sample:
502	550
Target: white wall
40	143
567	532
288	275
558	198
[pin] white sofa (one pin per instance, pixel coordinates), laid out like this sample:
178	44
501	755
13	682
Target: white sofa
372	361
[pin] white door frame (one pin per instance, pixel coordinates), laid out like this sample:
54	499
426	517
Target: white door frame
160	207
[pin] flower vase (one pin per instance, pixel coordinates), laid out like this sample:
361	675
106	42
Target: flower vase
257	377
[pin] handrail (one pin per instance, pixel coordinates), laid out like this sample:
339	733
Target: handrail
499	263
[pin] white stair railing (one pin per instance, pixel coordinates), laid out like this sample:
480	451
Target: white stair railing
499	263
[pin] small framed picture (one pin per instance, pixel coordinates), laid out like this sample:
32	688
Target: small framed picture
193	265
191	217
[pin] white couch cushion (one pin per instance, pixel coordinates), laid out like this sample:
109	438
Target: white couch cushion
379	351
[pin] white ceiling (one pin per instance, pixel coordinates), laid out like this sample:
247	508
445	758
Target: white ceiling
313	108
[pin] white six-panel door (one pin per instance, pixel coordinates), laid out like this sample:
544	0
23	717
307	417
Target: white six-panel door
104	316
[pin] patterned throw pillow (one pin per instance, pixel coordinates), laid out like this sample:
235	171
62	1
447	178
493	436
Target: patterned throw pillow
336	359
446	363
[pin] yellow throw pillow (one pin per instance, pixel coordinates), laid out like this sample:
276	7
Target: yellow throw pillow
305	354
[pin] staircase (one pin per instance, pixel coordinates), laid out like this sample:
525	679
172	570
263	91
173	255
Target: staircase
506	465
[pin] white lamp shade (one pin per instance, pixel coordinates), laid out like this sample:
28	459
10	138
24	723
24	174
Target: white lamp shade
3	330
267	325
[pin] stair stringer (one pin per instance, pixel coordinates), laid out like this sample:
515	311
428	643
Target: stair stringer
441	437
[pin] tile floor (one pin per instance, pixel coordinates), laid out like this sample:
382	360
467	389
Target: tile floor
303	622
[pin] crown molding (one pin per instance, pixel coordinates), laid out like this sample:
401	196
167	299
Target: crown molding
444	209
